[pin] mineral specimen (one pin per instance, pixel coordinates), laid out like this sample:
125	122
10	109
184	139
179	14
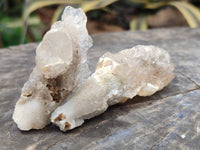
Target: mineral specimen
141	70
60	67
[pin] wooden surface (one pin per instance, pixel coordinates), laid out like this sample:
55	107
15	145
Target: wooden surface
170	119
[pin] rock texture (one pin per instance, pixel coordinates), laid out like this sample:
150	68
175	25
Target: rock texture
141	70
60	67
169	119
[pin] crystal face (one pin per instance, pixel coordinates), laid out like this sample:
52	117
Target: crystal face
141	70
60	68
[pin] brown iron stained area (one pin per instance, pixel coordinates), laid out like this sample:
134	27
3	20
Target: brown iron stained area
54	85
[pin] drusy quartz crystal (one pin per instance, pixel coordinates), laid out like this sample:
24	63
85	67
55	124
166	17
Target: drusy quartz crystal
60	67
141	70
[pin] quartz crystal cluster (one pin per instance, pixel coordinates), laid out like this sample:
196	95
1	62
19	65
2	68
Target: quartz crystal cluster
141	70
60	68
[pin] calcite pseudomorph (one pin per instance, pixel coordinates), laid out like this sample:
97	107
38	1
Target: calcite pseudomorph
141	70
60	67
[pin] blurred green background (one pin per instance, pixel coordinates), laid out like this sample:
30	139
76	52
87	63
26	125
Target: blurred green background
23	21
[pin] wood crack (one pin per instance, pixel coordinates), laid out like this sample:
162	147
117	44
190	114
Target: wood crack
54	144
189	78
159	141
183	92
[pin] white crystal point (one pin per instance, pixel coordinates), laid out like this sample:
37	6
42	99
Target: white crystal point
141	70
60	67
53	55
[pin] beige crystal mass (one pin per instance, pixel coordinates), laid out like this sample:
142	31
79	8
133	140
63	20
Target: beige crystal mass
60	67
141	70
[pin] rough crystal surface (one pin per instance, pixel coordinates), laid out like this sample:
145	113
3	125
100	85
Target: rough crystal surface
60	67
141	70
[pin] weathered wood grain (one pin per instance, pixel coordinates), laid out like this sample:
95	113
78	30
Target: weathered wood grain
170	119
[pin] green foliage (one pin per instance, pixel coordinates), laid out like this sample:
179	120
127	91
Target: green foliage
189	11
139	23
95	4
10	36
12	30
33	5
86	5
